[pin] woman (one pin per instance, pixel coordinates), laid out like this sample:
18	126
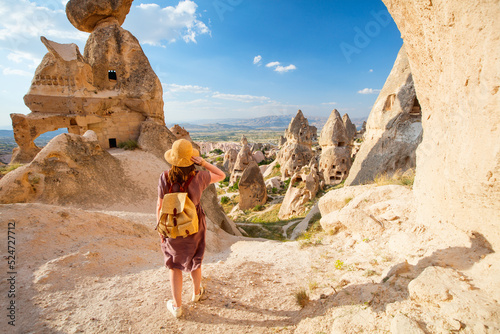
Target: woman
185	254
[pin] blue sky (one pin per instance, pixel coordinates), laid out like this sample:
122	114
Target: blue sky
226	58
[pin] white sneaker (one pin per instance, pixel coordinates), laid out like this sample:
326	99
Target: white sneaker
176	311
198	297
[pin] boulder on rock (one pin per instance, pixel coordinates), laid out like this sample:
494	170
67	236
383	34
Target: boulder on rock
85	14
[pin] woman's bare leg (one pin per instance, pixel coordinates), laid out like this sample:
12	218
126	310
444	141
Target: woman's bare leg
196	277
176	286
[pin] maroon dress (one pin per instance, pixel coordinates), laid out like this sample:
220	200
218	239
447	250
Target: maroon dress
187	253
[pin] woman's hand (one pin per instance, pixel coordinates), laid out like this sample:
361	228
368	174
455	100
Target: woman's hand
162	238
198	160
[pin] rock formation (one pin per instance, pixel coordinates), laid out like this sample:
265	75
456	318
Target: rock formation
207	147
274	182
70	170
453	49
362	131
111	90
252	187
215	213
296	151
366	210
86	15
180	133
229	160
335	160
281	141
349	127
393	129
258	156
243	160
302	189
155	138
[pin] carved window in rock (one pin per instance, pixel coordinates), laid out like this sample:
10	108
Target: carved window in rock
416	110
389	102
112	75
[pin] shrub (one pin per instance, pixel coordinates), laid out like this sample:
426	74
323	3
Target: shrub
265	162
128	145
339	264
258	207
225	182
398	178
235	186
9	168
217	151
301	297
224	200
219	159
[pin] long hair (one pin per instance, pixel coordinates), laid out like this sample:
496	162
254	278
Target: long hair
180	174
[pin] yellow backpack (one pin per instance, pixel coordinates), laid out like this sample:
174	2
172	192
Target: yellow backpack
178	217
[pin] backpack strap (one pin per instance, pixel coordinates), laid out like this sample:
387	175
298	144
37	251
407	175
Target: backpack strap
184	187
188	182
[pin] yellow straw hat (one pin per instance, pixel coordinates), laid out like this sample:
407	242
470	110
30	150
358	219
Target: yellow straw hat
181	153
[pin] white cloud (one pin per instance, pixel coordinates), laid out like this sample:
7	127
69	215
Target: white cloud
369	91
22	24
20	56
281	69
272	64
240	98
152	24
175	88
11	71
284	69
329	103
23	21
371	70
257	59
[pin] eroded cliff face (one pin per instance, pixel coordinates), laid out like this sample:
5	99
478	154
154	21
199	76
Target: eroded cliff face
393	129
453	48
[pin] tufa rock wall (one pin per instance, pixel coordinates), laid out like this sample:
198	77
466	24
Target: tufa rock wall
453	49
393	129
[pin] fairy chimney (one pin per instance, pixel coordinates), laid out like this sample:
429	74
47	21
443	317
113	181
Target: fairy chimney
110	89
335	160
242	161
296	151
